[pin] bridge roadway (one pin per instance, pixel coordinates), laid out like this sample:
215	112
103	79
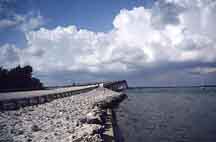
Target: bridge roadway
38	93
114	85
15	100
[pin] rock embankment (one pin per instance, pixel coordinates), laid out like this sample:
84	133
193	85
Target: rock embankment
76	118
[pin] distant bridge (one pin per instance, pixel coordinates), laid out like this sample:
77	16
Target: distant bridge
119	85
15	100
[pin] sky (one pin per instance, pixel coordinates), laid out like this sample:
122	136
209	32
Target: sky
146	42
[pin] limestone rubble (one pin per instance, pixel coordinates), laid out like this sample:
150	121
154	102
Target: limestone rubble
75	118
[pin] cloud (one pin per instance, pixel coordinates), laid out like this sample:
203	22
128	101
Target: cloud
171	32
24	22
5	23
30	21
9	56
203	70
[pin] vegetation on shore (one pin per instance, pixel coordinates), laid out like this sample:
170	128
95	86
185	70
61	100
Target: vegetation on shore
18	79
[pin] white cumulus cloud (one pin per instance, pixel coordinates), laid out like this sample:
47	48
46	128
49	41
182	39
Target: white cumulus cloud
24	23
171	31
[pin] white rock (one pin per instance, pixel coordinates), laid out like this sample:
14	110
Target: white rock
66	111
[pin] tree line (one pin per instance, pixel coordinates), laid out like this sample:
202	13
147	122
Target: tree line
18	79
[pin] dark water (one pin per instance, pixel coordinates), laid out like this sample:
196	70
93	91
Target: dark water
168	115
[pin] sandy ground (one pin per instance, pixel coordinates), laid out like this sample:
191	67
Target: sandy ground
61	120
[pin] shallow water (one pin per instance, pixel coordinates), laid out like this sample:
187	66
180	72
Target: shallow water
168	115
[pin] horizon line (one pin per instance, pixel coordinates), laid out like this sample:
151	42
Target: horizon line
192	86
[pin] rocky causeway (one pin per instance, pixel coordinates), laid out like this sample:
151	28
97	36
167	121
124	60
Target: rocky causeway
76	118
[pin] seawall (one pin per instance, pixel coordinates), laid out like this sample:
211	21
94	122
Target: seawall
103	114
110	133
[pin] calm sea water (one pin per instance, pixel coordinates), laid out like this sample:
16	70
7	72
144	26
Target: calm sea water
168	115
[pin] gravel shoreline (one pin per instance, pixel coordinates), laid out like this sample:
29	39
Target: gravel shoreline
75	118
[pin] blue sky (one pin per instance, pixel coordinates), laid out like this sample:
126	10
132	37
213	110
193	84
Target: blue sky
147	42
94	15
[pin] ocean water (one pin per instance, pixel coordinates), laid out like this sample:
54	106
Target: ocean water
168	115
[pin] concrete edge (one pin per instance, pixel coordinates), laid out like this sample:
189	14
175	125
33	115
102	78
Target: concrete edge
111	132
108	135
